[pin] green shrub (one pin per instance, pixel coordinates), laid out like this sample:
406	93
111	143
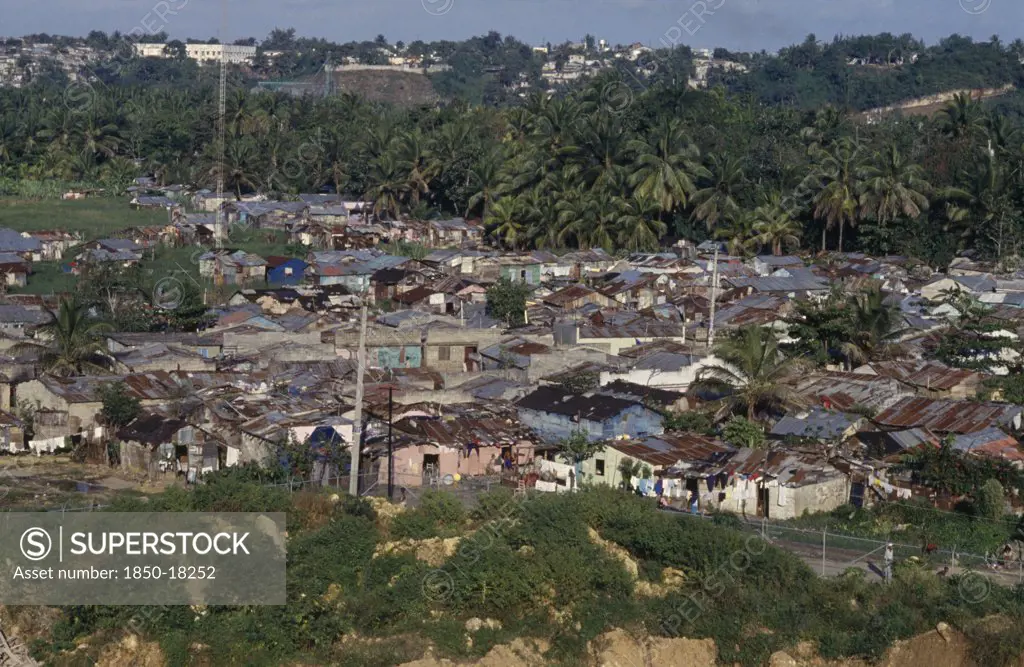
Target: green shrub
443	508
495	505
413	525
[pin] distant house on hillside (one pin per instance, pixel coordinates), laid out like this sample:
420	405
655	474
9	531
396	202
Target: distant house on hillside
26	248
13	270
285	270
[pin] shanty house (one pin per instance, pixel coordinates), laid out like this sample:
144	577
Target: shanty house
240	268
285	270
433	449
27	248
556	415
455	232
13	270
757	482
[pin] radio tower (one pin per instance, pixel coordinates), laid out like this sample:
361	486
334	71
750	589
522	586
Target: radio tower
221	229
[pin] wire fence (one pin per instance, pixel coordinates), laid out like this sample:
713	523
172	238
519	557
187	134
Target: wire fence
834	553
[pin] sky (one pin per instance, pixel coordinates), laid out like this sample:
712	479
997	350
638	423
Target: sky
743	25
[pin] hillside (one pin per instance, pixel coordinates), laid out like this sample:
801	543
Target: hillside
548	578
932	104
411	88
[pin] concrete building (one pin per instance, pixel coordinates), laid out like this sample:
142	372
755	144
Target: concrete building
233	53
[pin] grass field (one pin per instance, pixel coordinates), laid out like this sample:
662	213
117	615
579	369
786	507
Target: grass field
98	218
95	218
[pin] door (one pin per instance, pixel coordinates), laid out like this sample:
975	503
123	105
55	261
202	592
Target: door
762	501
472	365
431	467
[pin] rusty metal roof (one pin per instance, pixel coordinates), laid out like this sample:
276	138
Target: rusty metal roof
926	374
566	296
154	385
946	416
457	432
670	448
845	390
788	468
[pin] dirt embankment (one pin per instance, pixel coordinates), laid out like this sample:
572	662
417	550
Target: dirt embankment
926	106
398	88
943	647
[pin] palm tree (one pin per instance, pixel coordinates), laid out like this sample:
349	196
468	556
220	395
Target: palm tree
388	185
962	118
989	198
774	226
485	181
752	371
876	327
836	185
72	343
666	165
238	166
600	150
716	201
826	128
892	188
505	222
738	234
639	226
419	163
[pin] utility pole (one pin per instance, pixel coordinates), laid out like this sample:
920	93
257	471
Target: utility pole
357	422
391	451
714	297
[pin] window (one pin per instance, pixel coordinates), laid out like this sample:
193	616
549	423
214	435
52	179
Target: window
599	467
287	270
444	353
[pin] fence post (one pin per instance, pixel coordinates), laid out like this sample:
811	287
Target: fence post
824	530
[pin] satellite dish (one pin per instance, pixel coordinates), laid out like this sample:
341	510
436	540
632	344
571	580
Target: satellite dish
448	480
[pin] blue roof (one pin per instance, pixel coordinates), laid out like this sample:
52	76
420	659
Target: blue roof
12	241
822	424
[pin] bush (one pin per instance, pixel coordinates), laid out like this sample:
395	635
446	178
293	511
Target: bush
413	525
439	513
990	501
494	505
444	509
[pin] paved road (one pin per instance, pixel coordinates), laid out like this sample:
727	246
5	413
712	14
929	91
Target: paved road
868	558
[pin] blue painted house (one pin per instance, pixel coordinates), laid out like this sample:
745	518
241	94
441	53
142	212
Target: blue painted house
285	270
556	415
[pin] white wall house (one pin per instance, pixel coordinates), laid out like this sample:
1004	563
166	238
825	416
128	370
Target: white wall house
233	53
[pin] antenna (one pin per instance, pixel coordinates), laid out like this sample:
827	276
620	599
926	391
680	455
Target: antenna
221	127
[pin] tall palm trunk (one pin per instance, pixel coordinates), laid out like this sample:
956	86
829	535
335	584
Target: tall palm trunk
824	230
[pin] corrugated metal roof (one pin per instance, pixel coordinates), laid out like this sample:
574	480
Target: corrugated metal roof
821	424
845	390
926	374
464	431
991	442
788	468
945	416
